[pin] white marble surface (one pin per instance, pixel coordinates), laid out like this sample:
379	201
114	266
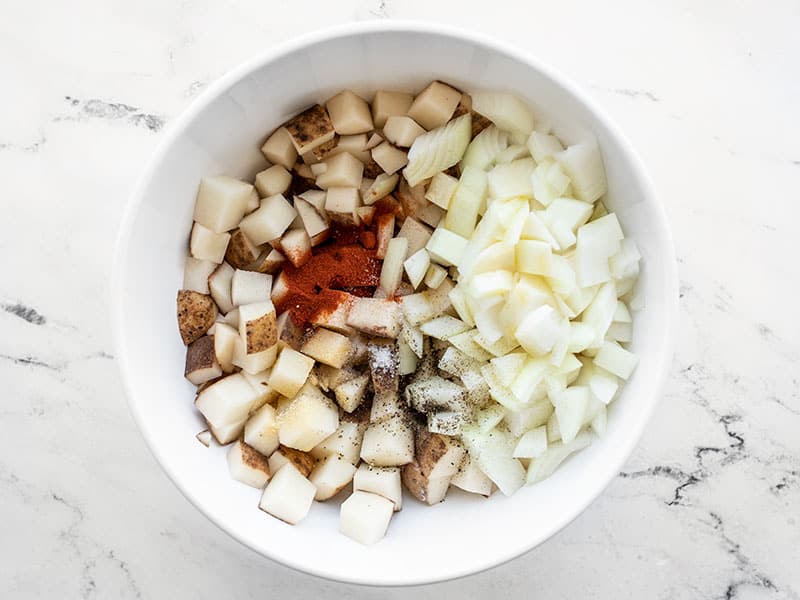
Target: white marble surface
708	507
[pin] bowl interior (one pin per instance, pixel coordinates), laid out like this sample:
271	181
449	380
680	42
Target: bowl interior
222	133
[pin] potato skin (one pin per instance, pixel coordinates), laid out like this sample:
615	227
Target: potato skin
415	481
262	333
302	460
239	253
310	125
253	458
196	315
200	355
430	448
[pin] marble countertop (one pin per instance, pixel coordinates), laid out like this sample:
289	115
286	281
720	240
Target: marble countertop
708	506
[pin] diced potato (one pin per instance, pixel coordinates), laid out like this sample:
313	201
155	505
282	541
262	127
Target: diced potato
257	326
331	475
381	187
441	190
315	224
225	338
310	129
345	442
366	214
416	266
389	158
269	222
426	305
438	459
248	287
350	394
296	246
387	104
417	234
315	198
392	268
274	180
221	202
435	105
385	233
261	430
204	437
196	274
204	244
402	130
434	276
302	461
375	317
254	362
336	319
269	261
407	358
327	347
280	288
432	215
446	247
247	465
227	433
288	496
383	362
341	204
444	327
201	361
290	372
436	393
341	170
241	252
196	315
364	517
349	113
308	419
227	401
279	149
388	443
384	481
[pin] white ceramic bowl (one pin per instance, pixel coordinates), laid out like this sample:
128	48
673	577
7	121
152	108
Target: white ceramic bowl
221	133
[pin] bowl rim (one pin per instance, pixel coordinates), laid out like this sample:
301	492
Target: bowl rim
178	125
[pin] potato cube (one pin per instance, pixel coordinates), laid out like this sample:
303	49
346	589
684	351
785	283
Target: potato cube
375	317
279	148
241	252
416	233
335	319
315	224
204	244
225	434
261	430
269	261
290	372
364	517
221	202
383	358
248	287
341	204
254	362
331	475
227	401
434	105
388	443
350	394
272	181
201	362
341	170
296	246
288	496
432	215
327	347
446	247
387	104
345	442
257	326
196	315
225	338
309	418
384	481
434	276
349	113
302	461
381	187
402	130
269	222
386	404
389	158
196	274
310	129
247	465
392	268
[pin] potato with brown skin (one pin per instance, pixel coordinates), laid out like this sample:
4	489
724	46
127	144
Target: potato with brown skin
258	327
269	261
384	363
196	314
436	459
241	252
289	333
310	129
303	461
412	199
201	361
